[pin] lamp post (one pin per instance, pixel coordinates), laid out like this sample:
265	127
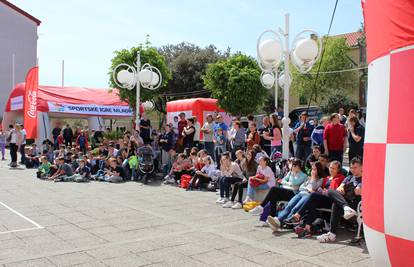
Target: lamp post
128	77
274	49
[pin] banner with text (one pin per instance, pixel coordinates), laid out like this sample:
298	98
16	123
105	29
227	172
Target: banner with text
90	109
30	103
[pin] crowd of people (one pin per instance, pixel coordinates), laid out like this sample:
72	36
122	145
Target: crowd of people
238	162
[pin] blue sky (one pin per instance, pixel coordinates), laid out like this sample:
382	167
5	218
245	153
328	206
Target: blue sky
85	33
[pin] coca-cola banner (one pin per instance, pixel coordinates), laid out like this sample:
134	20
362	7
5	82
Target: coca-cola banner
30	103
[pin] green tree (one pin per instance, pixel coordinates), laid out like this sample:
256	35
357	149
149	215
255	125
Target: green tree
235	82
337	100
335	58
188	62
148	55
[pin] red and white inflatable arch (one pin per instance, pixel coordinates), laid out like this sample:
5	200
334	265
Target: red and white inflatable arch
388	194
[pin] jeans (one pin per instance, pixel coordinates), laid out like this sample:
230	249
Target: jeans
337	155
218	149
13	152
22	154
238	189
294	205
251	191
275	195
316	200
339	202
209	146
303	151
112	179
225	183
3	150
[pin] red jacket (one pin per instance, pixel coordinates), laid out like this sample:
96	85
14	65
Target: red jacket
335	181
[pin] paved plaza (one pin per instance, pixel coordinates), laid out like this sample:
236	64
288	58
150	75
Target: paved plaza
99	224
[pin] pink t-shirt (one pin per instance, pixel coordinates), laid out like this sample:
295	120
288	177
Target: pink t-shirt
277	138
267	172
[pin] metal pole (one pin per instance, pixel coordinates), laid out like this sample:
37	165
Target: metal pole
138	85
286	119
276	85
13	70
63	72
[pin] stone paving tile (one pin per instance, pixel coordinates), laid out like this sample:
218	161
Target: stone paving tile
244	251
344	256
298	264
130	260
42	262
71	259
271	259
213	257
108	252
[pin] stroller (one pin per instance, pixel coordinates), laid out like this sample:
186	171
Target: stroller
146	168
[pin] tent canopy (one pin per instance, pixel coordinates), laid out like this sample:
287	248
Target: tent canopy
72	100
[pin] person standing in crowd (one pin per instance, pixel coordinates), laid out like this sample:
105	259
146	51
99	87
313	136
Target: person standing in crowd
22	146
317	133
55	133
197	128
334	138
220	138
14	140
208	135
175	126
166	141
145	129
180	126
188	134
82	142
275	135
303	130
355	138
342	116
98	135
265	132
3	137
237	138
68	135
221	124
254	137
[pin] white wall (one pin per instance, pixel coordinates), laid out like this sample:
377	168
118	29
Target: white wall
18	35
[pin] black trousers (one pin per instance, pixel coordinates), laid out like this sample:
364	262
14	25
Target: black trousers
198	180
277	194
68	142
22	154
314	202
339	202
238	189
337	155
13	152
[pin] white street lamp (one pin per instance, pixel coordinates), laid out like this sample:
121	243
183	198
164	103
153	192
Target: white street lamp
128	77
270	52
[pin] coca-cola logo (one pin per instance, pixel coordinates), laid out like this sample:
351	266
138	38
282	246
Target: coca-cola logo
32	102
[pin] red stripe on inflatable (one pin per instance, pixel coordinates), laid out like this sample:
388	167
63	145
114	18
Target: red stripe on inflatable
389	25
373	188
400	251
401	98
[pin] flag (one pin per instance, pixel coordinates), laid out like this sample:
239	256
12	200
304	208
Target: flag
30	103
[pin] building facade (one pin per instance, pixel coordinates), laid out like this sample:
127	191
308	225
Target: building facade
18	47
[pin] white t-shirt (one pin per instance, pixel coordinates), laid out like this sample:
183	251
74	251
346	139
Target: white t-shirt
197	132
267	172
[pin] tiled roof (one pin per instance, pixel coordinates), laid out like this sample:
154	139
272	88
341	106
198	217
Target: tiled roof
351	38
21	11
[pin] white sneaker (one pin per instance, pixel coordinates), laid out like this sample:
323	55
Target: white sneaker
219	200
349	213
274	223
222	201
237	205
248	199
262	224
228	204
258	210
327	238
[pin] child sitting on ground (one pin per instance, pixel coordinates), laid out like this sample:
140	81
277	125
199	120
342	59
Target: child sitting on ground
44	168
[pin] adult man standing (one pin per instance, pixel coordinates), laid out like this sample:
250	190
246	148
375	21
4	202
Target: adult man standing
263	130
334	138
237	138
22	144
342	116
55	133
208	135
68	135
303	130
